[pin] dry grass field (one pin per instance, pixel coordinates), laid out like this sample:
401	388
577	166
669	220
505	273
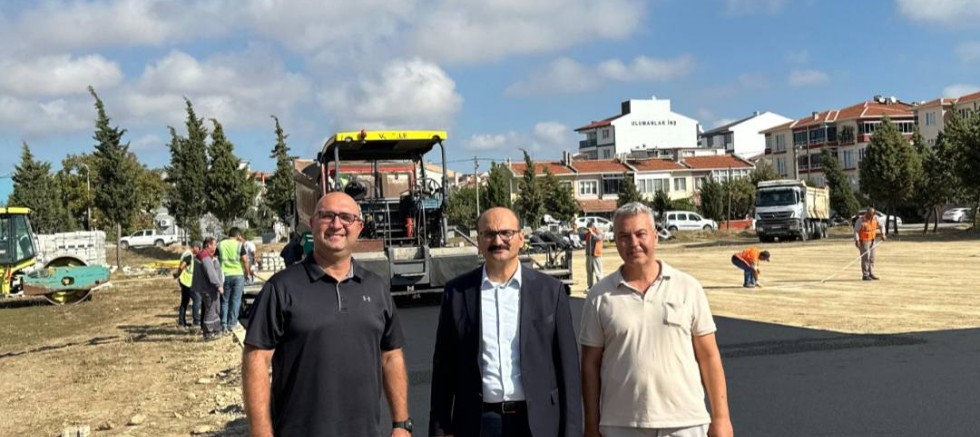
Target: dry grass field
120	356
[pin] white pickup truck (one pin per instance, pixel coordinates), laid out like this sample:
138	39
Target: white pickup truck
147	237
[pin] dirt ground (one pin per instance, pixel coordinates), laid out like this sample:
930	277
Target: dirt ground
119	358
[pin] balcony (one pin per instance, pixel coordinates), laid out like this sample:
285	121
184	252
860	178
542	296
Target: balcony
585	144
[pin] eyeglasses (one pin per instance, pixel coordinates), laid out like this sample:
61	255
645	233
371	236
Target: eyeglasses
504	234
346	218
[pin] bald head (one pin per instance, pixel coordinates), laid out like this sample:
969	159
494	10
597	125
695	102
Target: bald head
337	199
498	215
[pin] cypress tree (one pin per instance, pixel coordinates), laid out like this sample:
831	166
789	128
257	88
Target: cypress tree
115	194
497	192
559	200
530	201
280	188
36	188
842	199
628	192
231	190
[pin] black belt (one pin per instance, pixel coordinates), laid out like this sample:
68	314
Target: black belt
506	407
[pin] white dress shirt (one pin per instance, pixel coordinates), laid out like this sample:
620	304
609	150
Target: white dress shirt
500	356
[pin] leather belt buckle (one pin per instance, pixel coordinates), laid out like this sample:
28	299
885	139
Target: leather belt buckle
509	407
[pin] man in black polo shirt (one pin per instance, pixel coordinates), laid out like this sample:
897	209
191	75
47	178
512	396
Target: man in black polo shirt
336	337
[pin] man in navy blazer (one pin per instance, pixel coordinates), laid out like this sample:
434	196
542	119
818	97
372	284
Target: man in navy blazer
506	356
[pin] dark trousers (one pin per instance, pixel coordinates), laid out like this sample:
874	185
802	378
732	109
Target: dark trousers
210	309
748	272
497	424
188	295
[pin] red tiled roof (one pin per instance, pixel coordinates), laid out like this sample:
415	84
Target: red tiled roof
968	98
715	162
599	166
556	168
868	109
600	123
597	205
656	165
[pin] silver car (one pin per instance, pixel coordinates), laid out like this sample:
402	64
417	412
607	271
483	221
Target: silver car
957	215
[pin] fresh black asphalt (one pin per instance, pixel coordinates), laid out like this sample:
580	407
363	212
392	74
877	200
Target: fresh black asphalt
786	381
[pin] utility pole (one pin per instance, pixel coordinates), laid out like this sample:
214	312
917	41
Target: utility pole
476	176
728	223
88	195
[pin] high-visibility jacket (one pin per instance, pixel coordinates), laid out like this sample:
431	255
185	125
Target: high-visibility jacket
593	243
750	256
187	275
868	229
230	253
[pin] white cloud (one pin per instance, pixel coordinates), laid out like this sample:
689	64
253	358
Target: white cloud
807	77
647	69
943	12
960	89
237	89
721	122
551	135
753	81
568	76
58	26
406	93
46	117
969	51
798	57
491	30
147	143
57	75
750	7
490	142
561	76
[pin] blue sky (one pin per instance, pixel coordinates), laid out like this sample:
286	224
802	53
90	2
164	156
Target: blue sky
498	74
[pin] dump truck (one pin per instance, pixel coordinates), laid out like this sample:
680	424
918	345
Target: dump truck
789	209
63	268
403	203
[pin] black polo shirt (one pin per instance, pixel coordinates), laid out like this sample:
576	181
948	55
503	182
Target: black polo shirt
328	338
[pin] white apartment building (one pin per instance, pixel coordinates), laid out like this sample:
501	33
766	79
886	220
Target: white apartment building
794	148
933	115
743	137
641	125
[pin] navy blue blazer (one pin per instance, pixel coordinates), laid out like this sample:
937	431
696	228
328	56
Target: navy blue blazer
549	359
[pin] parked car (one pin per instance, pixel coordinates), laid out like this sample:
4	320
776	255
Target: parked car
147	237
958	215
881	217
687	220
604	224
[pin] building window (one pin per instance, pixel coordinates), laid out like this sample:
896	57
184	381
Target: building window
654	185
588	188
848	161
780	143
611	183
861	153
846	134
781	166
680	184
905	127
770	142
930	118
868	127
565	185
729	140
799	138
818	136
802	163
605	133
606	154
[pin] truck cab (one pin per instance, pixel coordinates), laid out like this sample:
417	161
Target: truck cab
789	209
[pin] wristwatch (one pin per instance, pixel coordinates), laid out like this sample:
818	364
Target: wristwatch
407	425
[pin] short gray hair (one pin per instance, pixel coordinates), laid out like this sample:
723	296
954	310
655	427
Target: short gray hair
633	209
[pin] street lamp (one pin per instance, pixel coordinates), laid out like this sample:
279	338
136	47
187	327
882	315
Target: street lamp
88	195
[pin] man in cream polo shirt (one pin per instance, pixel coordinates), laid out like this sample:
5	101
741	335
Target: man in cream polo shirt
647	341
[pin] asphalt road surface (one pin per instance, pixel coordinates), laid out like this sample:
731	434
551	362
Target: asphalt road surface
785	381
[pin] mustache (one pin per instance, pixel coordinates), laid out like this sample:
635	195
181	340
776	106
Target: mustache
498	247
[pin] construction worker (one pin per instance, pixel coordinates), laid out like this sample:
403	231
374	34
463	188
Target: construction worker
748	260
866	231
593	253
184	276
235	267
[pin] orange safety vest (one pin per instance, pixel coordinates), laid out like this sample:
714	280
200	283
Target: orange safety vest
869	229
750	255
597	247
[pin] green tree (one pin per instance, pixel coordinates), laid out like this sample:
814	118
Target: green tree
890	168
151	191
763	172
661	203
280	188
842	199
530	201
712	199
739	197
497	192
116	193
938	184
36	188
77	179
559	201
461	208
628	192
963	139
231	189
192	186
